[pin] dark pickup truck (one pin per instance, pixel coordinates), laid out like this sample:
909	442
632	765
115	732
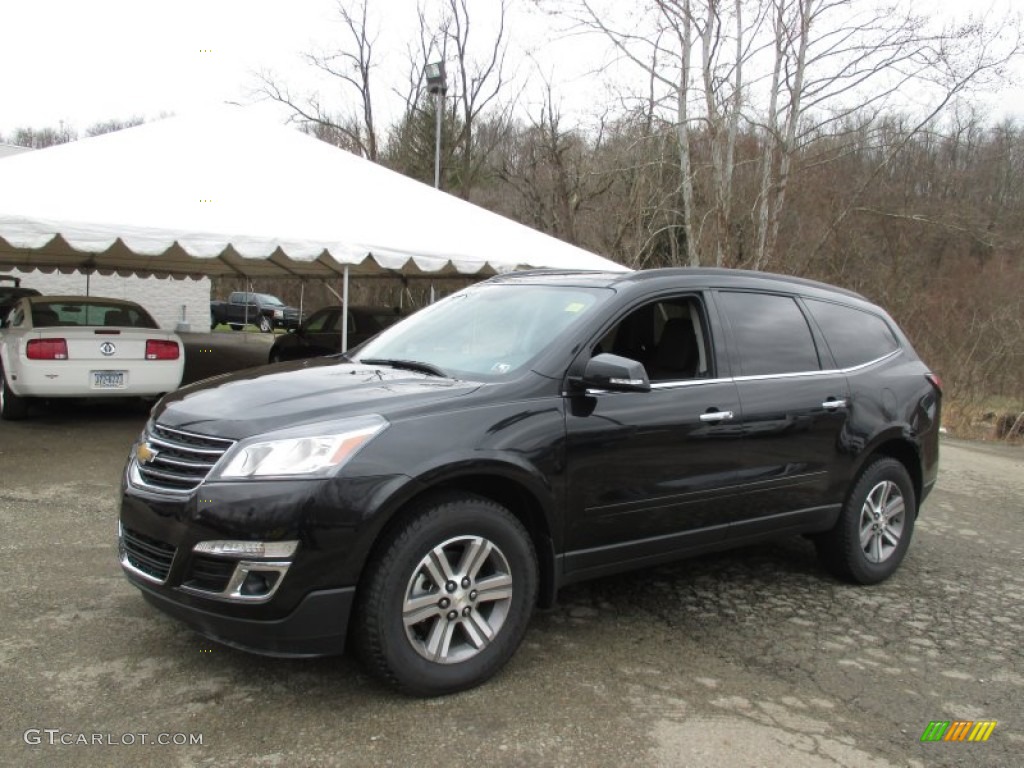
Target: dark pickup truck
260	309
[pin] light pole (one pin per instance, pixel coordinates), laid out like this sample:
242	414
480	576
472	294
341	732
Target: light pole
436	84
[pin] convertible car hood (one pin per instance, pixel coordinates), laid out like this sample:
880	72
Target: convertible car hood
289	395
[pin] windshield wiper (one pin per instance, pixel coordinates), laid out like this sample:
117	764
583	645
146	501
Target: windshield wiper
408	365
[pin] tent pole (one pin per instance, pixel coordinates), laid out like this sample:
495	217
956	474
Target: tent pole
344	311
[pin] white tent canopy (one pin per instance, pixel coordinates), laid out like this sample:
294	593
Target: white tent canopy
228	193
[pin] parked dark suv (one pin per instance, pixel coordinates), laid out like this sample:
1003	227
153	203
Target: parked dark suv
320	334
531	431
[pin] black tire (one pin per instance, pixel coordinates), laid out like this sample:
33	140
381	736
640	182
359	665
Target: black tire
874	529
12	407
265	325
213	324
398	583
236	326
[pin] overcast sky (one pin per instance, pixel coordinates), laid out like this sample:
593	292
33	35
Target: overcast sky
85	61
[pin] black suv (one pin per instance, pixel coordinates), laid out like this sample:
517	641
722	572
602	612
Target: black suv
531	431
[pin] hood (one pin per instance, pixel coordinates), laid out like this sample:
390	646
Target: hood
275	397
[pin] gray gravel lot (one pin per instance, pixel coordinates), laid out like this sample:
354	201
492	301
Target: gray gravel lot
753	658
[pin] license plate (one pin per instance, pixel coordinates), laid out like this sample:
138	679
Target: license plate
108	380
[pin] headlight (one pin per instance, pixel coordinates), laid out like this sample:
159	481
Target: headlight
312	451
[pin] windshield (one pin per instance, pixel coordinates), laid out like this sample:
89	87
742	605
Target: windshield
488	331
266	298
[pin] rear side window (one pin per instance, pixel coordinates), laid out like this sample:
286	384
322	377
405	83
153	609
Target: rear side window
770	334
854	336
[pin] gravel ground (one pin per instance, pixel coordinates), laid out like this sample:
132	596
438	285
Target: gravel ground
753	658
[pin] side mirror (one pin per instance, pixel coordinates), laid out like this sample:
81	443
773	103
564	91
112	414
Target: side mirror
615	374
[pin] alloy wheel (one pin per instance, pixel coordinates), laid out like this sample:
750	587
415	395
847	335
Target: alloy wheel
457	600
881	521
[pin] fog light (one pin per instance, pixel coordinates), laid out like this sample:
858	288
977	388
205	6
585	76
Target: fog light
259	583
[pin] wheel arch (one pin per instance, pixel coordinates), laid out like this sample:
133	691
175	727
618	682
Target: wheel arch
906	452
495	484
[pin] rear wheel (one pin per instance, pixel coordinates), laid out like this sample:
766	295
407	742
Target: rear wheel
236	326
874	529
12	407
447	599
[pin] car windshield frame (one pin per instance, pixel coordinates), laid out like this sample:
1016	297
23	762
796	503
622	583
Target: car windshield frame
488	332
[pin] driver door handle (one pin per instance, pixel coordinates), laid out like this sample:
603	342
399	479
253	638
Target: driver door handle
833	405
713	416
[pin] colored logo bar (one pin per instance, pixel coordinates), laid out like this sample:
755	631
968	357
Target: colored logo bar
958	730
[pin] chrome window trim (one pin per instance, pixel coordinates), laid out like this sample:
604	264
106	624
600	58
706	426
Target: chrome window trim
683	383
829	372
877	360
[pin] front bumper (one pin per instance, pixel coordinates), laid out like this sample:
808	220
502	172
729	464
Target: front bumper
305	612
317	626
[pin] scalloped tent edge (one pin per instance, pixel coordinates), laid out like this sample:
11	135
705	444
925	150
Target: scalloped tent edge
229	194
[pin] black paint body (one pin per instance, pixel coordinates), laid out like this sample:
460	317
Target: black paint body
604	481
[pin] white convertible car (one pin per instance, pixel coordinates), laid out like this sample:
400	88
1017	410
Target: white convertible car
84	346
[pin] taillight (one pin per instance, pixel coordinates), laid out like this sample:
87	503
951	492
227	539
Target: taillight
47	349
935	381
159	349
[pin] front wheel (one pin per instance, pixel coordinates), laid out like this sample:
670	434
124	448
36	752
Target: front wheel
265	325
871	537
447	598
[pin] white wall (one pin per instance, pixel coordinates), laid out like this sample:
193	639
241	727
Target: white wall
162	297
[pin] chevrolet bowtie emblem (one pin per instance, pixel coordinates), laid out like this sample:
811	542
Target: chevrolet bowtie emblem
144	454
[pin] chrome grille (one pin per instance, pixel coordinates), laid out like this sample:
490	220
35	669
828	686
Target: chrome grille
147	556
182	460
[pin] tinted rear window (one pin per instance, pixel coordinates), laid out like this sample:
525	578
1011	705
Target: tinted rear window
770	334
854	336
90	313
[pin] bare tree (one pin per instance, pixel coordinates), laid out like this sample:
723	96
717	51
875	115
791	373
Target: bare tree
40	138
832	58
551	169
477	78
109	126
352	65
668	40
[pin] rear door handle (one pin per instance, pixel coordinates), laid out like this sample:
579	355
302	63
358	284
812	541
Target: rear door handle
716	416
833	405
